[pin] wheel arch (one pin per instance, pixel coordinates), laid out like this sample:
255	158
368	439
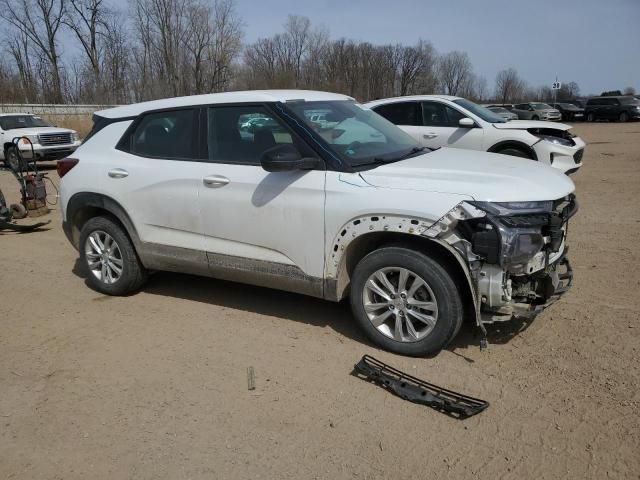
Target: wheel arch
513	144
83	206
339	281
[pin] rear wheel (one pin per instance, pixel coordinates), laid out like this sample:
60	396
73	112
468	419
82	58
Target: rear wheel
535	117
624	117
591	117
111	262
405	301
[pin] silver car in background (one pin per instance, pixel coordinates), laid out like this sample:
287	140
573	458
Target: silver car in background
503	113
536	111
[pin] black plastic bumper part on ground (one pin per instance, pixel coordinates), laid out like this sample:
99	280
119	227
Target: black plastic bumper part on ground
415	390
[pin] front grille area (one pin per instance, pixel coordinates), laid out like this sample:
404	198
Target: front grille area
577	157
47	139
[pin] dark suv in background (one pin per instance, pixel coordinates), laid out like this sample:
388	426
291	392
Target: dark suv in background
621	108
569	111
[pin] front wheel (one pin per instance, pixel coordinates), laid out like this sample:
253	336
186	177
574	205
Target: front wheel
111	262
515	152
591	117
624	117
11	159
405	301
535	117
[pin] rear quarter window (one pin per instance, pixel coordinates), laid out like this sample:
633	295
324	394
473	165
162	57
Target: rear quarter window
166	135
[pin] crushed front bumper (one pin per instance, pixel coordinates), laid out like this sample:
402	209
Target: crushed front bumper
549	285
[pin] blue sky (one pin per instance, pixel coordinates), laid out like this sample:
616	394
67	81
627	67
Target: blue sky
593	42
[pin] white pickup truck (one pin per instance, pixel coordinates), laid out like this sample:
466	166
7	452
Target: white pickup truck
49	142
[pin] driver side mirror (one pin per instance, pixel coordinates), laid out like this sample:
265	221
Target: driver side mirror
287	158
466	122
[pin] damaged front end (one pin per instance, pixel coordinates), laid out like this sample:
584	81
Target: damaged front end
516	253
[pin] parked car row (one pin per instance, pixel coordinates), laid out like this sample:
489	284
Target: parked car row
311	192
622	108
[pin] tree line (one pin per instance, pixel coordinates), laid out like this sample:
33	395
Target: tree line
162	48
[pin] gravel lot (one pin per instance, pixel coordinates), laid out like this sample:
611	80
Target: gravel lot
153	386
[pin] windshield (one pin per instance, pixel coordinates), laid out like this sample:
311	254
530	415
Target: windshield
540	106
21	121
482	112
356	135
498	110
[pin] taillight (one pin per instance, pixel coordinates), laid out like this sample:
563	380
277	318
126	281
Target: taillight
63	166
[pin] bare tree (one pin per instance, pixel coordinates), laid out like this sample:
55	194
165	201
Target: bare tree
40	22
22	55
454	71
297	37
415	68
480	89
629	91
86	19
509	86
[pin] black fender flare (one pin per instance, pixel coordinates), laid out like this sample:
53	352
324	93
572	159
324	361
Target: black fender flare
513	144
82	201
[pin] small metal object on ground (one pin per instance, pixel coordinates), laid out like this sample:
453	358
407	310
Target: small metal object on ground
415	390
251	378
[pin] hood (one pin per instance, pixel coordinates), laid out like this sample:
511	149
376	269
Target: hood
19	132
525	124
488	177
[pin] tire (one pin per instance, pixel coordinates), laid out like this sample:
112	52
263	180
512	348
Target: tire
535	117
515	152
623	117
11	159
18	211
438	299
132	273
591	117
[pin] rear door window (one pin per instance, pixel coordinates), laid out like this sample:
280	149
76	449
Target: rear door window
434	114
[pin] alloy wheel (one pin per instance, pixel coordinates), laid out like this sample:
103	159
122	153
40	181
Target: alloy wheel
104	258
400	304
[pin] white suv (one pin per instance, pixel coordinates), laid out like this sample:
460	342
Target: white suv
348	207
48	142
443	121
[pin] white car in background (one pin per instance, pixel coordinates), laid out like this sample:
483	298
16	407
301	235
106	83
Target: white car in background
49	142
445	121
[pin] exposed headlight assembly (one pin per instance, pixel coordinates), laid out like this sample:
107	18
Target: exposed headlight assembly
75	137
503	209
513	234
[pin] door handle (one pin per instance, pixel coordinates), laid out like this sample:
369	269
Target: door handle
215	181
118	173
430	135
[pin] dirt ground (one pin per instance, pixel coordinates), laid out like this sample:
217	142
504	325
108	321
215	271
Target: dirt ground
154	386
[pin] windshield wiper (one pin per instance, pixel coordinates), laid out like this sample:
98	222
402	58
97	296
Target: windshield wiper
382	161
410	153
